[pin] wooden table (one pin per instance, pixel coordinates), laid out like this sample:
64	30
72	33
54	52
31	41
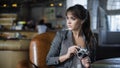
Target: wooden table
107	63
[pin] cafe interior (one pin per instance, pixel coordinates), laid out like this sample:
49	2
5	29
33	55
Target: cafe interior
24	45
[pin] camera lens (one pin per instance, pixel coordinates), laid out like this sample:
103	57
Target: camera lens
85	55
82	53
79	54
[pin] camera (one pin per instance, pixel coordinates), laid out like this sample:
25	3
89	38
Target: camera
82	52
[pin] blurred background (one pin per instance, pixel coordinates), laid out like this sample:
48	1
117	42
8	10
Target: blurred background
19	20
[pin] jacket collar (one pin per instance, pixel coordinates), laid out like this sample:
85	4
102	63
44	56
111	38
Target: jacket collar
70	37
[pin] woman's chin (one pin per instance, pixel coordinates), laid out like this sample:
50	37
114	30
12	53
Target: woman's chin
69	28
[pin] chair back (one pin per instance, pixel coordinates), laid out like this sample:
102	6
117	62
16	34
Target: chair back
39	47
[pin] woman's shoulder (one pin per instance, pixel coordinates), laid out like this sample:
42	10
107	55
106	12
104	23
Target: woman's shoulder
62	31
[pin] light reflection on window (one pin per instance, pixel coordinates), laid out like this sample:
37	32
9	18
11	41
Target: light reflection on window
73	2
114	23
82	2
113	4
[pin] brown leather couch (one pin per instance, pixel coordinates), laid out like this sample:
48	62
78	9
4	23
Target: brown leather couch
39	47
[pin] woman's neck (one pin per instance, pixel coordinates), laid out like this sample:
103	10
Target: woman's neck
77	33
78	39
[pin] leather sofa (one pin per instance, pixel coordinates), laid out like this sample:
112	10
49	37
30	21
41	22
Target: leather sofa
39	47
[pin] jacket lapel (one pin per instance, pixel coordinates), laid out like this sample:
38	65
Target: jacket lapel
68	40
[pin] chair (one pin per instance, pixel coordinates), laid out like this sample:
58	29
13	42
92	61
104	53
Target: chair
39	47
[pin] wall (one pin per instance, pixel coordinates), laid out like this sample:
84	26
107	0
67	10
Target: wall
102	25
93	9
37	13
56	18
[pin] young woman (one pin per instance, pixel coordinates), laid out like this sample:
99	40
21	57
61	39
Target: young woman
75	47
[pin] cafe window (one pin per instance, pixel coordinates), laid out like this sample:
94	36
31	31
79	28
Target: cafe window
113	4
114	23
73	2
82	2
113	19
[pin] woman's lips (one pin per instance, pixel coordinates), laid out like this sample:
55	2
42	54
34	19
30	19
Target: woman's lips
69	26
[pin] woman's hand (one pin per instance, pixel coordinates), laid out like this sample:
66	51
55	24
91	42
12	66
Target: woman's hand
72	51
86	62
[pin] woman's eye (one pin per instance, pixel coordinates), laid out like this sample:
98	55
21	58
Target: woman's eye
73	18
66	17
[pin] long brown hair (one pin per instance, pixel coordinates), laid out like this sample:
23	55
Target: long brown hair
80	12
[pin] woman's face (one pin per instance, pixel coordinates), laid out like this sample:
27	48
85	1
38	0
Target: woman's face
73	23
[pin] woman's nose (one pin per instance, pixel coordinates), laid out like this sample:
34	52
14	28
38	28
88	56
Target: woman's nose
68	22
